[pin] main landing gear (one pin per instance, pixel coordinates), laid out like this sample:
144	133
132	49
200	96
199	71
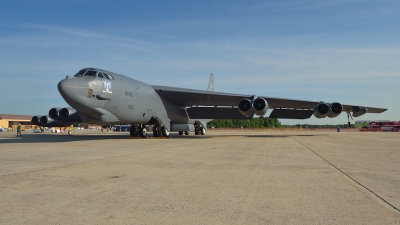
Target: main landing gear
198	130
160	131
181	132
138	130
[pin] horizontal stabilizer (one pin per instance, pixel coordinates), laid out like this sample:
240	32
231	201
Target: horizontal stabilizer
291	114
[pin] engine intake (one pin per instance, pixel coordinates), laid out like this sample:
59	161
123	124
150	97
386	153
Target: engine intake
70	114
54	113
248	108
66	112
321	110
45	120
245	107
35	120
336	109
260	106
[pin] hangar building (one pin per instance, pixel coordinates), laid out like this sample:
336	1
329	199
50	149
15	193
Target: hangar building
11	121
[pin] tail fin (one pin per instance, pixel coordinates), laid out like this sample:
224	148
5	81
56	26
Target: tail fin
211	83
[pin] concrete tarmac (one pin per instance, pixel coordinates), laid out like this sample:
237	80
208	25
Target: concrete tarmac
236	177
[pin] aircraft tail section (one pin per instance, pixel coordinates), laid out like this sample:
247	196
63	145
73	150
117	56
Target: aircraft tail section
211	83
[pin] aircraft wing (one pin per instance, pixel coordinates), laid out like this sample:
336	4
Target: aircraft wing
283	108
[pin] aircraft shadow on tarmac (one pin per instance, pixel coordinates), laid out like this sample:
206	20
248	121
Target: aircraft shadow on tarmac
49	138
286	135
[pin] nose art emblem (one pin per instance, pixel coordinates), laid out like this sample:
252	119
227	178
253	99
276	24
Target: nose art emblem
107	87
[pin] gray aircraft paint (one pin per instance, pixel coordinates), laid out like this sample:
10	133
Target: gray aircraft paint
123	100
130	101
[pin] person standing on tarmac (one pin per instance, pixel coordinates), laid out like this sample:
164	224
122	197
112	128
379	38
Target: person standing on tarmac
19	130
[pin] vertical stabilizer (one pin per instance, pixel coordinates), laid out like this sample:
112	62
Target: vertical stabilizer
211	83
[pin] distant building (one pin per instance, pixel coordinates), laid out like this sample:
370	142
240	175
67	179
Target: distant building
11	121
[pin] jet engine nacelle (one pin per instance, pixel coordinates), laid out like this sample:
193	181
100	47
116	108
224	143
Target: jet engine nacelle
336	109
69	114
260	106
45	120
54	113
66	112
248	108
36	120
321	110
360	112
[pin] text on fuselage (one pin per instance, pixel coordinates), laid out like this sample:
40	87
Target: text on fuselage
127	93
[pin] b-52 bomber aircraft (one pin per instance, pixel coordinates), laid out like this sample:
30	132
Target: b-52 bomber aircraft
106	98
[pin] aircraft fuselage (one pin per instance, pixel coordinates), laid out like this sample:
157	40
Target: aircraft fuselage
121	99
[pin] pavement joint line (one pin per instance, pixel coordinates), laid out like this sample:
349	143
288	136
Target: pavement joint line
357	182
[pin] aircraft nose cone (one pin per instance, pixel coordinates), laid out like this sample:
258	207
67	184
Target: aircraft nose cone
73	88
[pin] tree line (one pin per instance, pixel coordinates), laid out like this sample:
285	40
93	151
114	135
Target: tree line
255	122
265	122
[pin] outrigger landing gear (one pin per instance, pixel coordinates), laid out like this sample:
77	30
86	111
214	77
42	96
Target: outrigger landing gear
138	130
348	117
199	129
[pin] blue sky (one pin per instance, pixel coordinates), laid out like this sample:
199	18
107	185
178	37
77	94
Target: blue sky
333	50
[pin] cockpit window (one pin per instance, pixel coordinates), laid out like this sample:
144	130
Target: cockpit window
106	76
111	77
90	73
100	75
80	73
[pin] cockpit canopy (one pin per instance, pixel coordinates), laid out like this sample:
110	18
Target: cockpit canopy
94	73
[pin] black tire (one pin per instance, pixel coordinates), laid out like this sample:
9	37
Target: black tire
70	132
196	131
165	132
186	132
202	131
132	131
180	132
155	128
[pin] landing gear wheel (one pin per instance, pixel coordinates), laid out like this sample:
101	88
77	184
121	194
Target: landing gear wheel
70	132
180	132
196	131
143	132
132	131
165	132
155	134
159	132
186	132
202	131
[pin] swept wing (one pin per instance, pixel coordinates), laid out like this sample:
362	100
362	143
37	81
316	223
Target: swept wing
283	108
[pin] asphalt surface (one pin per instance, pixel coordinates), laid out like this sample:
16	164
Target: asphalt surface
221	178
